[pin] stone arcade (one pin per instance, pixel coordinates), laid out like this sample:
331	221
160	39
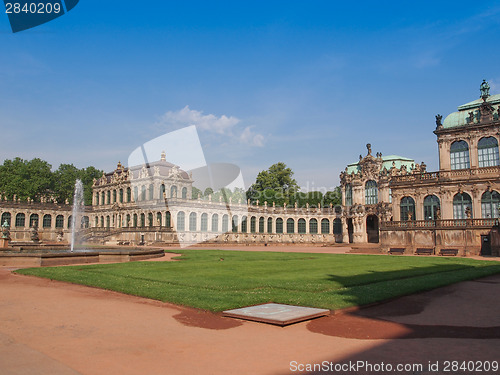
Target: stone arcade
389	200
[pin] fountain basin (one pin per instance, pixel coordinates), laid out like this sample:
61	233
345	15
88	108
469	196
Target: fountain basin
41	258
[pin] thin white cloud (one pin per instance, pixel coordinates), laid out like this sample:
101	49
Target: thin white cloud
252	138
223	125
187	116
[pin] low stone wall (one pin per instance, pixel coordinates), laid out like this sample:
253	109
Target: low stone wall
151	237
467	241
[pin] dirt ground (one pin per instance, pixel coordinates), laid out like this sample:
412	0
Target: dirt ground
50	327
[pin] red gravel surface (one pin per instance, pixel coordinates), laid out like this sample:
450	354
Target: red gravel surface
50	327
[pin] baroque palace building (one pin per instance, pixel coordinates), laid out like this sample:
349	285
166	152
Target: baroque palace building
389	200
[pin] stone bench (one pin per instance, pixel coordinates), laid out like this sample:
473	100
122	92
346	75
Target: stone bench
424	251
396	251
448	252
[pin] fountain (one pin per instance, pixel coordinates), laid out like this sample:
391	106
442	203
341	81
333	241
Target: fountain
77	212
36	253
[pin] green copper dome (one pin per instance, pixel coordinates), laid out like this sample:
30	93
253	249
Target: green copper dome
461	117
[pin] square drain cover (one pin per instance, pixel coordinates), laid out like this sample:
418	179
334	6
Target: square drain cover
275	313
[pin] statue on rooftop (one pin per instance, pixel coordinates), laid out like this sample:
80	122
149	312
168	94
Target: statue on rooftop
369	148
485	90
438	120
471	117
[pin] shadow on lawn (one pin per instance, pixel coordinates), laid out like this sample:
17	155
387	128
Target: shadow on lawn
374	286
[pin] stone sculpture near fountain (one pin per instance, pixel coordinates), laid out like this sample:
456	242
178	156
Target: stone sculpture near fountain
34	234
4	241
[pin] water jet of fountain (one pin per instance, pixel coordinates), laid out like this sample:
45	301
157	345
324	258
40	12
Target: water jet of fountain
77	211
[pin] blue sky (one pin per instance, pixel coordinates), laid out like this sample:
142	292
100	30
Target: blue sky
306	83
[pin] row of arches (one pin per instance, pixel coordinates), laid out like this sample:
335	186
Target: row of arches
141	193
204	222
20	221
487	153
462	206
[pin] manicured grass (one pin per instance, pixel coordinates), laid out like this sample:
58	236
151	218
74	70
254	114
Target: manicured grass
218	280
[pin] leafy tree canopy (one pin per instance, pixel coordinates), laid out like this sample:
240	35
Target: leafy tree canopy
278	178
277	185
34	179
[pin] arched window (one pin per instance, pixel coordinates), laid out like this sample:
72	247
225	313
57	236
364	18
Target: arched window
431	207
33	220
337	226
135	221
143	220
150	219
151	192
261	224
97	199
173	191
407	208
59	221
489	204
313	226
290	225
459	155
143	192
279	225
108	222
215	223
168	219
325	226
96	221
184	193
127	222
487	152
129	195
70	221
181	224
234	227
192	221
136	193
121	195
6	216
301	226
114	196
371	192
270	225
244	224
162	191
102	222
108	197
103	198
159	219
204	222
225	223
253	224
348	195
461	204
47	221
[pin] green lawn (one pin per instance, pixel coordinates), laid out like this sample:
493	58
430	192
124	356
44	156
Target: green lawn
204	281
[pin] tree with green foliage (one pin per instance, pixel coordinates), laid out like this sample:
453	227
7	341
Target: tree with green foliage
34	179
333	197
278	178
26	179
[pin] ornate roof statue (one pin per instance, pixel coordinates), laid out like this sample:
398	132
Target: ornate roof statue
485	90
369	148
438	121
